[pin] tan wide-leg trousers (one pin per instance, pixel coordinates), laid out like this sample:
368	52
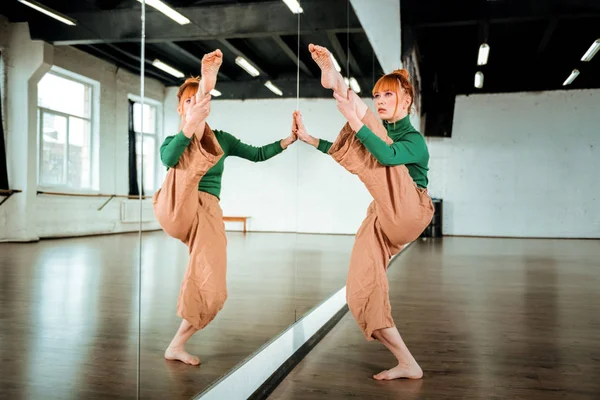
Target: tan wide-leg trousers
399	213
196	219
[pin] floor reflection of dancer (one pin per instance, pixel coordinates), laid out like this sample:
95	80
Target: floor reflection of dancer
187	204
391	159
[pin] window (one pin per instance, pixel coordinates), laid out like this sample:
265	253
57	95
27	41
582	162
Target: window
65	132
150	133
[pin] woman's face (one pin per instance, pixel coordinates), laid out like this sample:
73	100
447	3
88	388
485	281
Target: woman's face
385	102
185	101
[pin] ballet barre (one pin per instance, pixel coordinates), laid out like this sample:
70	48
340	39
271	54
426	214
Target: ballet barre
110	196
7	194
237	219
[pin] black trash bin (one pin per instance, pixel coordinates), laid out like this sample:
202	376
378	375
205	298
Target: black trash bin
434	229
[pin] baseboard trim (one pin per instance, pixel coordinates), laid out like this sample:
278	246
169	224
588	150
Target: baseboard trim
265	390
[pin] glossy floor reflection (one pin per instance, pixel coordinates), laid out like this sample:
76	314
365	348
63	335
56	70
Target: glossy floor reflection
68	310
486	318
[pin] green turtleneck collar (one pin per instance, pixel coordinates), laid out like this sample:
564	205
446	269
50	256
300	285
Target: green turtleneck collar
399	128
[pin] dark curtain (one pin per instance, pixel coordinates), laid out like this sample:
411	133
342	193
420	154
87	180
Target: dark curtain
3	166
133	181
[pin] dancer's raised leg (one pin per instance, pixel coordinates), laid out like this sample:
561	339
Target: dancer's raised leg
211	63
330	78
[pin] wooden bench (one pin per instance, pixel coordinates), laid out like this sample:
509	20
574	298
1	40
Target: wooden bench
237	219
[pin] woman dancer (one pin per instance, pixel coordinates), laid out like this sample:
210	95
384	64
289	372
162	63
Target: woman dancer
187	204
391	159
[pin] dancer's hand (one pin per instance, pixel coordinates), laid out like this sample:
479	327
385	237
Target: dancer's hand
347	108
197	113
285	143
301	130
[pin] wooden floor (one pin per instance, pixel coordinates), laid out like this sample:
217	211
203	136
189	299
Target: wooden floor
486	319
68	311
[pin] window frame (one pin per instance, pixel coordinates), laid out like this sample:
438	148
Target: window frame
158	136
93	92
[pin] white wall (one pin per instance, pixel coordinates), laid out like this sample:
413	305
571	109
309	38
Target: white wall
27	216
521	164
300	190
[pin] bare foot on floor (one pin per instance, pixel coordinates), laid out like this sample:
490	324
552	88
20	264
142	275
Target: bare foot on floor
330	78
400	371
211	63
181	355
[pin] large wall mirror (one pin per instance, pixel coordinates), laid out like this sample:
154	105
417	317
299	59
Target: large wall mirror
130	203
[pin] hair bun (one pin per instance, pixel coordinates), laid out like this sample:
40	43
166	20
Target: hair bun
402	72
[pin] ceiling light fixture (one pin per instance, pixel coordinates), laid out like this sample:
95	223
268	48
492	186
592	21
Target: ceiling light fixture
49	12
215	93
479	80
591	51
249	68
273	88
571	77
168	11
167	68
484	52
294	6
335	63
354	85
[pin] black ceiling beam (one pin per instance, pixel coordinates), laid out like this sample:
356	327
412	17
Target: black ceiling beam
150	68
134	68
193	47
548	32
243	20
341	55
239	52
174	48
255	89
292	55
506	20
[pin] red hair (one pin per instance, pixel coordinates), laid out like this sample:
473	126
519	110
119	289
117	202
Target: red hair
188	89
393	82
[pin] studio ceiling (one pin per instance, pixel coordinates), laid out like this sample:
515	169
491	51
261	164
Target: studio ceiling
263	32
534	44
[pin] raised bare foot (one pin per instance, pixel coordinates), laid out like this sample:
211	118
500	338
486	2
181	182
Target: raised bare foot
181	355
400	371
211	63
330	78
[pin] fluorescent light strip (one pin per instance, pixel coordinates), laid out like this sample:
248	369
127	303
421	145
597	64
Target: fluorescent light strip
479	80
273	88
591	51
484	52
249	68
167	68
335	63
49	12
215	93
168	11
354	85
571	77
294	6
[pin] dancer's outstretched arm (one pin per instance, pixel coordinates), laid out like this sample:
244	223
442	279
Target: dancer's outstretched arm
257	154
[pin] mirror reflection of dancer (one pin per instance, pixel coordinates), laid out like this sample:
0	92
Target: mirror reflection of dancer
187	204
391	159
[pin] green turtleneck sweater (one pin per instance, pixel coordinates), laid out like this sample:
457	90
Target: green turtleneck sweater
174	146
409	148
